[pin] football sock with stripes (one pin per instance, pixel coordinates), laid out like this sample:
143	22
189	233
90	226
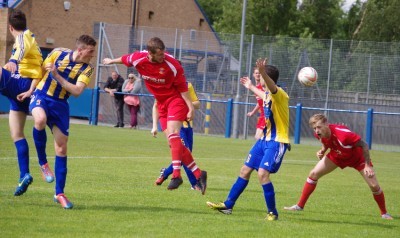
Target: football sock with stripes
60	169
40	139
379	198
23	156
308	188
176	147
237	188
188	161
269	195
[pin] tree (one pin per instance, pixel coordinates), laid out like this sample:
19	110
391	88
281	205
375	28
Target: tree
263	17
379	21
318	19
213	9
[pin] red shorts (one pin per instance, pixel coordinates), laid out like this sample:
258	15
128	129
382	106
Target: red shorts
357	161
172	110
261	123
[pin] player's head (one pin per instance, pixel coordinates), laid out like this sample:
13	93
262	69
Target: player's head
256	74
272	72
17	20
156	48
85	46
319	123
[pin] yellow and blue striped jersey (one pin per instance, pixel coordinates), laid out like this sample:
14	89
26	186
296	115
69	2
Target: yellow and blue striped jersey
193	97
27	55
68	69
276	111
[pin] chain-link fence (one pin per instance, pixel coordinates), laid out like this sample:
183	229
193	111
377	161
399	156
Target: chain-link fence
353	77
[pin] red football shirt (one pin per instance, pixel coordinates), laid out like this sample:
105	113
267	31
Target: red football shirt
341	142
260	101
164	80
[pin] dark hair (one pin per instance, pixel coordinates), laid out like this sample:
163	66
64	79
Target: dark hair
155	43
17	20
272	72
85	40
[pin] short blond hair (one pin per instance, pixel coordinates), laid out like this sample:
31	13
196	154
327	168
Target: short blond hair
316	118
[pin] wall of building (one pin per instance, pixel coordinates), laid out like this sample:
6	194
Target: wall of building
181	14
3	35
56	27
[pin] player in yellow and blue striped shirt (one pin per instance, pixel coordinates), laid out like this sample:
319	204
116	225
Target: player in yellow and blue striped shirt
67	73
18	79
267	154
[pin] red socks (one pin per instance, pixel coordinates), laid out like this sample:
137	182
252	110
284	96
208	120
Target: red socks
176	146
380	200
308	188
188	161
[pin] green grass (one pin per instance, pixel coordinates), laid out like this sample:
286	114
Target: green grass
110	181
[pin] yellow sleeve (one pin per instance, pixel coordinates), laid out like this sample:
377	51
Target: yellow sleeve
192	94
86	75
22	45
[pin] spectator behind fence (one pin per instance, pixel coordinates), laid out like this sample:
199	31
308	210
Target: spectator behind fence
132	85
114	84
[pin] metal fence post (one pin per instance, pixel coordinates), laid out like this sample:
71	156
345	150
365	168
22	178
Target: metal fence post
297	129
368	127
95	106
228	117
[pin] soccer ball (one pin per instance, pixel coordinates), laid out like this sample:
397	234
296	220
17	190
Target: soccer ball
307	76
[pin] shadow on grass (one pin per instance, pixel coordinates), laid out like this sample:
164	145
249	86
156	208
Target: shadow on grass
344	221
139	209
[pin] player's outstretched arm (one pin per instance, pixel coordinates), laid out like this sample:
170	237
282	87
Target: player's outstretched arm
261	63
245	81
107	61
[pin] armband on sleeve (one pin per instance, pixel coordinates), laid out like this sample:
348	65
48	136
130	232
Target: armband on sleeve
14	61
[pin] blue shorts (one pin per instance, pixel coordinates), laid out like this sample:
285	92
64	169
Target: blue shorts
267	155
57	111
186	134
13	84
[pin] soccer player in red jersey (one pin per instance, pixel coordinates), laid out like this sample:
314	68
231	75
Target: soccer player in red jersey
259	107
164	78
347	149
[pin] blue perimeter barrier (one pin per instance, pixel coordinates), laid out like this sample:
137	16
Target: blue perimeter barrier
87	106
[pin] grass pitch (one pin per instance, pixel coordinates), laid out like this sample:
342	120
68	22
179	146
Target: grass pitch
110	180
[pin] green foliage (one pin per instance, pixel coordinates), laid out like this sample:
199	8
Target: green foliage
110	181
374	20
380	21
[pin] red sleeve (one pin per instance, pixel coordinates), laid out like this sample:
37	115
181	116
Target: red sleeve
346	136
127	59
179	82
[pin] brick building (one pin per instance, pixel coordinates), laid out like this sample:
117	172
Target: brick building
58	23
